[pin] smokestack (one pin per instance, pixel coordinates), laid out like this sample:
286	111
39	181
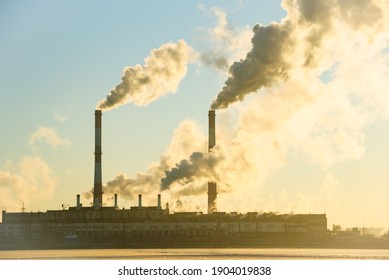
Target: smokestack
159	201
98	186
116	201
212	192
139	200
211	130
78	202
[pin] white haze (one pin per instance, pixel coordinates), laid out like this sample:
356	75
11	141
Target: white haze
224	43
28	181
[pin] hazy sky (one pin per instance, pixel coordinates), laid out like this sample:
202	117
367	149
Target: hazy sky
310	136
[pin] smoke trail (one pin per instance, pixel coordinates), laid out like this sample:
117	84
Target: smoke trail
142	183
277	49
129	188
160	75
263	65
199	166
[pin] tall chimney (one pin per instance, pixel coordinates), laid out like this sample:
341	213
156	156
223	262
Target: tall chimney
212	191
98	186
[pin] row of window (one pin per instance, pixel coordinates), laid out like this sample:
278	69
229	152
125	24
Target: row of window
13	217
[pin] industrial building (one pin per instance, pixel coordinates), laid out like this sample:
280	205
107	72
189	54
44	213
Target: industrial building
154	226
143	226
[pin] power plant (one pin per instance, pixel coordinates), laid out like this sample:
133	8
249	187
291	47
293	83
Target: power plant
152	226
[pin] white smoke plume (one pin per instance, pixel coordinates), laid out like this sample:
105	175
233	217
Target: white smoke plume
279	48
31	179
160	75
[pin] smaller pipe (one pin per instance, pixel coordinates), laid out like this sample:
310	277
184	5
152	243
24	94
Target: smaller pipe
140	200
159	201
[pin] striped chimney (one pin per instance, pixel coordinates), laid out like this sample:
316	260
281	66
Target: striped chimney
98	186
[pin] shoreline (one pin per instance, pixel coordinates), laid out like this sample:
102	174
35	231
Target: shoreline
198	254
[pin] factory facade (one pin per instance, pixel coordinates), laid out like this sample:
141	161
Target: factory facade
145	226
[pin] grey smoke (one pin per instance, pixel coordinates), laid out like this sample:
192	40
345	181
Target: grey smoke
263	65
160	75
274	53
199	165
129	188
215	60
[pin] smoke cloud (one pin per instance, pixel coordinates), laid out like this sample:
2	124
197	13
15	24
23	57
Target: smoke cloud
30	179
199	166
261	67
279	48
160	75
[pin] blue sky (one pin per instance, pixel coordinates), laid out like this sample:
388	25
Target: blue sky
60	58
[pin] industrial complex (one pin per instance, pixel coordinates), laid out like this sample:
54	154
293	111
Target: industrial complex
154	226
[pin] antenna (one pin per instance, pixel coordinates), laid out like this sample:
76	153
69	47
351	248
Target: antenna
65	206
